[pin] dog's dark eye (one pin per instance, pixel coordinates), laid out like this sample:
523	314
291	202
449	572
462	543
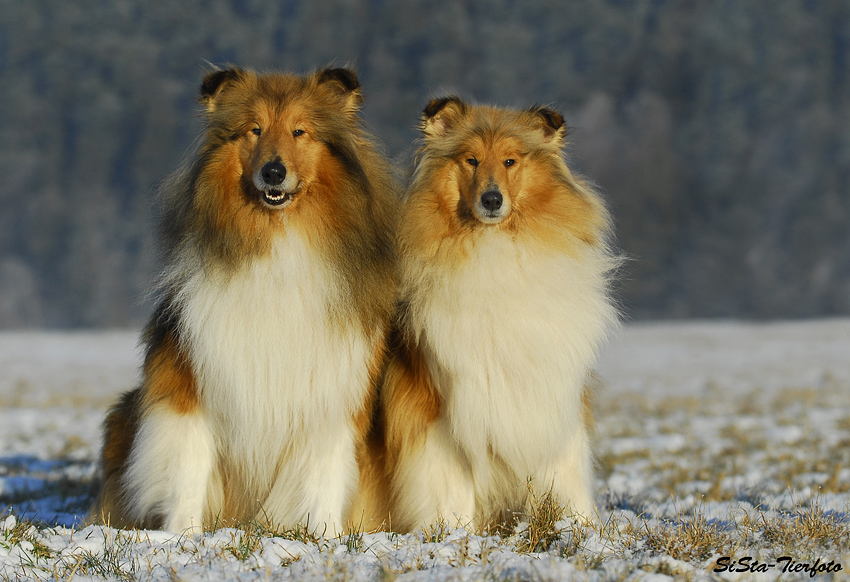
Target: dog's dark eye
509	163
472	162
257	131
298	132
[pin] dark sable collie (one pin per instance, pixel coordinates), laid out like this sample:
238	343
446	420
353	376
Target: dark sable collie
263	355
505	270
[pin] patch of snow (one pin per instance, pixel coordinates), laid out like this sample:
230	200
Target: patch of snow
731	423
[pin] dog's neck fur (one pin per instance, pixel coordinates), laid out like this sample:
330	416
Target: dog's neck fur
254	336
511	335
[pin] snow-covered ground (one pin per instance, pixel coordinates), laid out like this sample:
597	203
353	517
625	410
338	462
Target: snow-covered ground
716	440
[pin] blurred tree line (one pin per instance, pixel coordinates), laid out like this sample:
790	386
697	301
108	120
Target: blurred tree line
719	131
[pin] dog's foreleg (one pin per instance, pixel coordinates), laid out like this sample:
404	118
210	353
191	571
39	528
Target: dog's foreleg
170	469
433	481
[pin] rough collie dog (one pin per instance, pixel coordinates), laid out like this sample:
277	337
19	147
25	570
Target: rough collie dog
505	270
262	359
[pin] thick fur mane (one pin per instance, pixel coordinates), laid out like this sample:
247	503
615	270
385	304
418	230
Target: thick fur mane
562	211
194	237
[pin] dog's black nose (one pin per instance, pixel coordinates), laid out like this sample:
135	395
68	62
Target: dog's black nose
273	173
491	200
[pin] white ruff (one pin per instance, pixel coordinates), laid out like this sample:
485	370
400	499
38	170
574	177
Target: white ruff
279	381
510	338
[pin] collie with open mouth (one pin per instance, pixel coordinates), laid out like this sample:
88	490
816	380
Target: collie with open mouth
263	357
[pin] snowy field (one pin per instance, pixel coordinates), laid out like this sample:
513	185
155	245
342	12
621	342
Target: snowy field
721	445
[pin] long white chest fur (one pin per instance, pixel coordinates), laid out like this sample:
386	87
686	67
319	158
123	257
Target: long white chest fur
279	373
510	337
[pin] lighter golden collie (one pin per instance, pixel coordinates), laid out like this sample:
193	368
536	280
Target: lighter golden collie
504	295
263	357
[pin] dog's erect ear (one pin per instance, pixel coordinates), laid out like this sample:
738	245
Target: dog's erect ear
441	115
214	83
551	123
344	82
346	78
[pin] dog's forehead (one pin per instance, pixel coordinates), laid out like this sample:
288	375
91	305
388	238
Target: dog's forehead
281	98
494	138
281	111
280	85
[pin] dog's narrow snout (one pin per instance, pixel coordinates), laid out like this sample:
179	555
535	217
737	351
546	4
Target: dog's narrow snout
491	200
273	173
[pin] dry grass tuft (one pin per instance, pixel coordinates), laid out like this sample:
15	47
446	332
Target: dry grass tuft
24	533
436	532
543	514
812	528
116	562
692	539
247	541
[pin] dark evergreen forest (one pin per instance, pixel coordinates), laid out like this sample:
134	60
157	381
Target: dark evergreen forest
719	131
